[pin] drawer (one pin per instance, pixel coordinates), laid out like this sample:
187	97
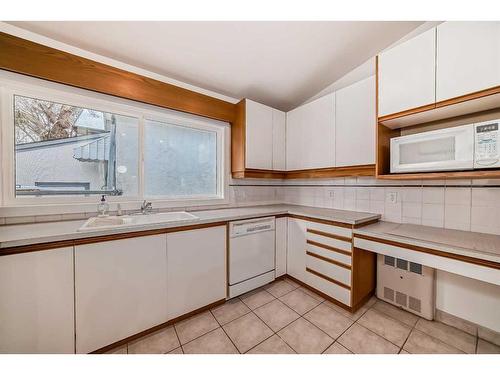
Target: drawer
328	253
330	229
331	289
344	246
333	271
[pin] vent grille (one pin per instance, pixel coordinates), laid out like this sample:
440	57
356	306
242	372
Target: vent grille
401	299
389	261
414	304
402	264
388	294
416	268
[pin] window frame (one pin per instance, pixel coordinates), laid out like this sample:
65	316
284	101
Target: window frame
59	93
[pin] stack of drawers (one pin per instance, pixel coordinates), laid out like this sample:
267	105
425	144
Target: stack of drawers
329	260
322	256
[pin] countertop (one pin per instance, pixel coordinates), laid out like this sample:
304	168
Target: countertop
28	234
472	244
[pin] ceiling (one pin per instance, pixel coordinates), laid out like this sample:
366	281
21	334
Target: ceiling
280	64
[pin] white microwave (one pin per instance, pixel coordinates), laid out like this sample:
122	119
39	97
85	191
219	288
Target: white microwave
473	146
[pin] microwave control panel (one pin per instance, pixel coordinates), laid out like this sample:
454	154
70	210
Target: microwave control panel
486	145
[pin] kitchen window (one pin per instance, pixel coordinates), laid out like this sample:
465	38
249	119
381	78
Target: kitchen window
61	147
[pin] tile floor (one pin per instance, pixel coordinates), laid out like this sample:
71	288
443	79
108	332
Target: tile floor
284	318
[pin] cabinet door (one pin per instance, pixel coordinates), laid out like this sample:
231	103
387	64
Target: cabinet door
296	254
468	58
295	146
259	136
36	302
407	74
196	269
279	129
281	245
355	124
318	133
121	289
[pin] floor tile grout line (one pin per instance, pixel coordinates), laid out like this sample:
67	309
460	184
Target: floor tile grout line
223	330
425	333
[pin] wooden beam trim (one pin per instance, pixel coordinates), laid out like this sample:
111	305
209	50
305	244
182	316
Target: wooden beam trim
463	258
36	60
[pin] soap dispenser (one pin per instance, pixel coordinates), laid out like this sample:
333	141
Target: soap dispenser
103	207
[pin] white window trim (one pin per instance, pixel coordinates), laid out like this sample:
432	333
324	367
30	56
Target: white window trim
10	205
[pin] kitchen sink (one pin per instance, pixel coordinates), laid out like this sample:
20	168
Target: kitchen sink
110	222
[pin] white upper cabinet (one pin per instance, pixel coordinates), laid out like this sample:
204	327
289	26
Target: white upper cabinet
259	136
279	137
265	137
407	74
196	269
310	135
468	58
36	302
355	124
294	145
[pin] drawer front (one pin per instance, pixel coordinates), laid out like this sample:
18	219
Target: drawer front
328	253
333	290
333	243
330	229
333	271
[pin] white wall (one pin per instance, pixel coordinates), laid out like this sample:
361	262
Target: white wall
472	300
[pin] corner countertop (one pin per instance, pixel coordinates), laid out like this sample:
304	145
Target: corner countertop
29	234
472	244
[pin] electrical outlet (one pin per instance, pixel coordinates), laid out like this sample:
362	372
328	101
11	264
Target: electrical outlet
392	197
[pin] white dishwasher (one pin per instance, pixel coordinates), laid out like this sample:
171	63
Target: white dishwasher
251	254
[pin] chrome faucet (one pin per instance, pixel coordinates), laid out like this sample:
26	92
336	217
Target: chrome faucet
146	208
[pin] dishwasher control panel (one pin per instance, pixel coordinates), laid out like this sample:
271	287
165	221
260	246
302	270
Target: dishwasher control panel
241	228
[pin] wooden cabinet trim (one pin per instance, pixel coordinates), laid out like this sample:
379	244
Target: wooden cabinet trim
156	328
463	258
321	221
327	278
324	234
105	238
36	60
328	260
329	248
324	295
356	170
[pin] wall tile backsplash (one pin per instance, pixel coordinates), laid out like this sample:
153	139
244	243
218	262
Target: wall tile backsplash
455	204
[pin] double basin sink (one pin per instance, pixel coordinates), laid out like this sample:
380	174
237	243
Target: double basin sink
126	221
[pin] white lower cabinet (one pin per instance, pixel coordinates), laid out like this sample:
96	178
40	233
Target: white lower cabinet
36	302
281	245
120	289
196	264
296	256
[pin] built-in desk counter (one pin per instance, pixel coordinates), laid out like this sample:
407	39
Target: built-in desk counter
470	254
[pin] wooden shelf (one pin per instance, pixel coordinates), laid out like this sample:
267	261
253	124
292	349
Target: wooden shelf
351	171
463	105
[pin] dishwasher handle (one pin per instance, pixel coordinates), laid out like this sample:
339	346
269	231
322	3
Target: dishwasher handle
246	227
